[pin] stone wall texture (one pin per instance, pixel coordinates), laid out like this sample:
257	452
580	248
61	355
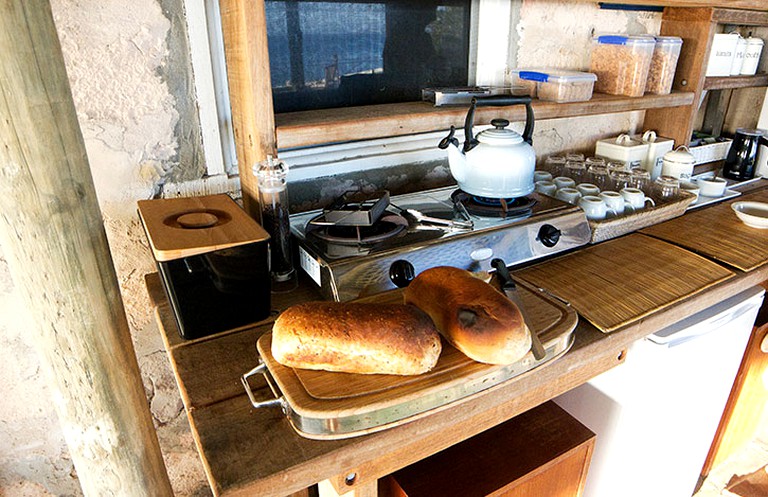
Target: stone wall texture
130	80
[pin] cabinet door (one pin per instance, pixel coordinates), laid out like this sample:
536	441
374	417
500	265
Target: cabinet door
749	396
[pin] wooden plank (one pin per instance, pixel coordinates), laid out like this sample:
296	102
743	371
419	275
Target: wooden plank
621	281
717	233
256	452
56	247
696	28
733	82
717	106
732	4
735	15
297	129
244	28
539	453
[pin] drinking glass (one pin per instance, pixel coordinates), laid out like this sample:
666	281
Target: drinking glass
640	178
555	164
574	157
620	179
576	170
666	187
598	174
594	161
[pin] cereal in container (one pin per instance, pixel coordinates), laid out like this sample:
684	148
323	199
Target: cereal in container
621	63
661	74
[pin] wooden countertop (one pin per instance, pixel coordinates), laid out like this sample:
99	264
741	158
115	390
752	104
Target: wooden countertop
248	451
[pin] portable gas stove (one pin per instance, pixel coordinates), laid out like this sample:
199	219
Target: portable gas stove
358	248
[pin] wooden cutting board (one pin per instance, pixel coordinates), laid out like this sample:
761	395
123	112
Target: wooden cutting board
716	232
622	280
328	395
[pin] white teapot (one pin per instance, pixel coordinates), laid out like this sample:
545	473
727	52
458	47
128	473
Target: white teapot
498	163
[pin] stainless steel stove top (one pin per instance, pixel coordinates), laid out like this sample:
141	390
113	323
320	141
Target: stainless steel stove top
347	262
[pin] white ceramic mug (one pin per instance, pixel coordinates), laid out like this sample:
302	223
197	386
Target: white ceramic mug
546	187
588	189
615	201
564	182
636	198
542	176
595	207
568	194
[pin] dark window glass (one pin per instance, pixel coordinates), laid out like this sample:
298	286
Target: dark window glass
334	54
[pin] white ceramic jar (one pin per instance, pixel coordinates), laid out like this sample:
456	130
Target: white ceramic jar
721	54
752	56
678	163
738	56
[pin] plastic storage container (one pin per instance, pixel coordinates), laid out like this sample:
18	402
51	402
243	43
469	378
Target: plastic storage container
661	74
528	84
721	54
751	56
621	63
561	86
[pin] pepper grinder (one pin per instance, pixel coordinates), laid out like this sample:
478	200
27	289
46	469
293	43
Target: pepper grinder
273	198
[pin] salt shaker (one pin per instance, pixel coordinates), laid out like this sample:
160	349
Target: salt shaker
273	198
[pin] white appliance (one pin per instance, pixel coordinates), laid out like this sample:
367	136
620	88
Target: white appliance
656	414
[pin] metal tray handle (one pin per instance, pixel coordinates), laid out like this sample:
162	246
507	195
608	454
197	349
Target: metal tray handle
260	369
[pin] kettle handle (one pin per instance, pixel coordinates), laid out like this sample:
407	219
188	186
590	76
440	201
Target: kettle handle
498	101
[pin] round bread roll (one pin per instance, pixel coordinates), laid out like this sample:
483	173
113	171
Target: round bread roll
362	338
472	315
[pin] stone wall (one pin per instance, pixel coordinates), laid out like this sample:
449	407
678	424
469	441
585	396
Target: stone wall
132	84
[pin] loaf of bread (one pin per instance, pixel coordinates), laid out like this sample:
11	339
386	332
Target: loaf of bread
472	315
363	338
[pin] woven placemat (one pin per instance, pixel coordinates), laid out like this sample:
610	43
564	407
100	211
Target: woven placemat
717	233
622	280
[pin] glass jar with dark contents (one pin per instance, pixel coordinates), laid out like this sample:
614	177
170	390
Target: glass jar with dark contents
273	198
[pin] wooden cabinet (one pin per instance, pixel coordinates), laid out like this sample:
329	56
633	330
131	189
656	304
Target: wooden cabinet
544	451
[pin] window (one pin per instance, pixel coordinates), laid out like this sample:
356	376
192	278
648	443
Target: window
326	54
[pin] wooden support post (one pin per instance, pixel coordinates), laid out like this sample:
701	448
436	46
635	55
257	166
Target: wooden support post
244	26
53	238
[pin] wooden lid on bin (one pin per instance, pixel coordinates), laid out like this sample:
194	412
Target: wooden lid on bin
182	227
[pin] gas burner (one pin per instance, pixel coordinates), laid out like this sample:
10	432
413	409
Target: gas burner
495	207
388	226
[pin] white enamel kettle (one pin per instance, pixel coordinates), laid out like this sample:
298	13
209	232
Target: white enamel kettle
498	162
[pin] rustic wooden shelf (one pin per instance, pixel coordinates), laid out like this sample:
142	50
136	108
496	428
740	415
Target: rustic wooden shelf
733	82
730	4
301	129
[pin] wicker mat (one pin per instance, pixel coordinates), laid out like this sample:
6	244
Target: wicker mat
622	280
716	232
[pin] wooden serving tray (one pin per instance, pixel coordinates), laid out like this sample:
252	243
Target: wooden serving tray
623	280
328	405
716	232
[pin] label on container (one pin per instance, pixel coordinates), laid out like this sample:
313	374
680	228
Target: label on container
310	265
534	76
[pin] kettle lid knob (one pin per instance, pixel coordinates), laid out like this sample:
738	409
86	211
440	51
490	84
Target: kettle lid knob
499	123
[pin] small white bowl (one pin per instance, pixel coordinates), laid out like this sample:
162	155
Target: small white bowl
754	214
711	187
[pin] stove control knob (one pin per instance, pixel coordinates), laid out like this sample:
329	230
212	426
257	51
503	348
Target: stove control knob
401	273
548	235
